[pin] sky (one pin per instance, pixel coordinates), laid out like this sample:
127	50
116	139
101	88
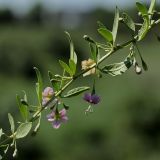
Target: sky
22	6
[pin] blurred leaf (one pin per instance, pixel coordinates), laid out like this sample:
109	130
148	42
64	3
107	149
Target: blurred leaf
0	157
23	130
76	91
106	34
37	126
128	21
11	121
94	51
89	39
158	38
39	86
152	6
72	66
15	151
73	55
66	107
101	25
144	29
142	8
144	65
55	81
23	107
115	24
66	67
1	133
118	68
7	147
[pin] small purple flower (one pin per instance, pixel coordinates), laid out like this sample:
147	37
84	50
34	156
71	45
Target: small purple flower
47	95
91	98
57	118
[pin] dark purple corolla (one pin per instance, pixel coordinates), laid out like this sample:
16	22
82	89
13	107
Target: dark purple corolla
57	118
91	98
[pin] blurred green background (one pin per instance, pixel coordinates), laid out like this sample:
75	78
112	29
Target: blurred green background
124	126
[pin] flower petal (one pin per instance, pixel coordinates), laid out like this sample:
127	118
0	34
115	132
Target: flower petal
62	112
87	97
95	99
56	124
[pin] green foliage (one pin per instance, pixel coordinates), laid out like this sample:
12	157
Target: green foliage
23	108
118	68
144	29
115	24
128	21
11	121
55	81
39	86
23	130
142	9
60	83
66	67
76	91
94	51
105	33
1	133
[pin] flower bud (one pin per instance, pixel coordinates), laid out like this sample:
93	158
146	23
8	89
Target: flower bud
138	69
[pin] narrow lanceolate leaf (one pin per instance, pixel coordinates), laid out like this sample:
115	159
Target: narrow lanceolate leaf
118	68
94	51
23	108
142	8
11	121
115	24
37	126
73	55
106	34
66	67
39	85
1	133
128	21
152	6
144	29
23	130
76	91
55	81
72	66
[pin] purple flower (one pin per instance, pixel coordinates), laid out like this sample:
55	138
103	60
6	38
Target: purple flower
91	98
47	95
57	118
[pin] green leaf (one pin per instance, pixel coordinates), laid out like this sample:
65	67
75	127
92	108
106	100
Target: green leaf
144	65
94	51
89	39
66	67
11	121
39	86
106	34
142	8
115	24
76	91
1	157
1	133
144	29
7	147
72	66
152	6
101	25
128	21
73	55
118	68
23	130
55	81
37	126
23	108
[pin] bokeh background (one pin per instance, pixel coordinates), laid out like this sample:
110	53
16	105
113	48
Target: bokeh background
124	126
